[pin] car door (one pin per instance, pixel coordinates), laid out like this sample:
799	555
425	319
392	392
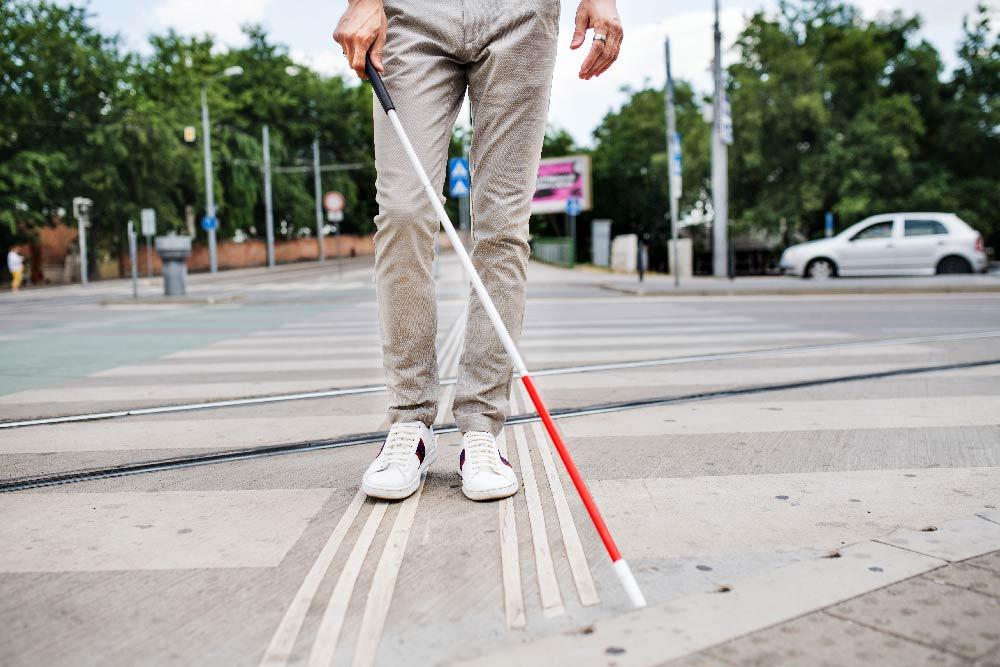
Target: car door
922	243
871	250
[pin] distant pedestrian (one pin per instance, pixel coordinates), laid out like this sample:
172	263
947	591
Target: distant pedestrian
503	54
15	264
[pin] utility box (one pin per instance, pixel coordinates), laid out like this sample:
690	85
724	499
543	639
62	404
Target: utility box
174	252
683	257
600	243
625	253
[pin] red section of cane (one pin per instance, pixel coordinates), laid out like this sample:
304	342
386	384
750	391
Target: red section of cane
574	473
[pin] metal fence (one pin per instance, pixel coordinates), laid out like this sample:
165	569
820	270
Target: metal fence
554	250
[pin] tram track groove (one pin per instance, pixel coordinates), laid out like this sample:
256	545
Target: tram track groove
176	463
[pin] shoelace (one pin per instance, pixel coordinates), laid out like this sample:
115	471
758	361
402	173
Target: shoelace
480	449
401	443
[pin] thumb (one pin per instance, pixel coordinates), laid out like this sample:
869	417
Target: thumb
582	21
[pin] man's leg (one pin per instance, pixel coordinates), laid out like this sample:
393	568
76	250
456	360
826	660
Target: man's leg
509	87
427	87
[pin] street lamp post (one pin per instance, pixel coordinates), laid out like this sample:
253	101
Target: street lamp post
720	161
213	260
673	164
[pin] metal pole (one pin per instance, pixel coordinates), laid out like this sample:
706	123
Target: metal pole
213	260
337	255
318	187
149	256
672	154
572	235
640	259
269	211
133	258
81	223
720	185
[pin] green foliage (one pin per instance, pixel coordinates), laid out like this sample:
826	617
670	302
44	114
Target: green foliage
835	113
81	118
630	163
832	112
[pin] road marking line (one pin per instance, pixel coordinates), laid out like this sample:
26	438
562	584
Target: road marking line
863	347
386	573
571	537
328	634
548	584
510	557
283	641
384	583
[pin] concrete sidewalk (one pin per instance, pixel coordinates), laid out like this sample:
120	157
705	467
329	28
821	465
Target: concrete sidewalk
946	617
927	597
751	437
659	285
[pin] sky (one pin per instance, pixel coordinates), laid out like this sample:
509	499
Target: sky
305	26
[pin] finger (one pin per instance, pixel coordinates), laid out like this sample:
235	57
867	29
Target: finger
605	63
377	52
580	33
604	59
596	48
357	57
601	27
609	56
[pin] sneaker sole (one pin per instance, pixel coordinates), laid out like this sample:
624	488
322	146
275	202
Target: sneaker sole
493	494
404	492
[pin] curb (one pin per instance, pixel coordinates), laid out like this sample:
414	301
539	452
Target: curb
173	301
792	291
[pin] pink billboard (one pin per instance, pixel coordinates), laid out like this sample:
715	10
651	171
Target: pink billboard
560	179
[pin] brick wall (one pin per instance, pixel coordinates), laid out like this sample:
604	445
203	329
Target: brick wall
254	253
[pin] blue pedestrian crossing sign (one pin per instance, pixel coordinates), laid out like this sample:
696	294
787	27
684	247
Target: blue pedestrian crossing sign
208	223
573	206
459	179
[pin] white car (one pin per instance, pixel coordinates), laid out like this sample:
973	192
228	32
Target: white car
892	244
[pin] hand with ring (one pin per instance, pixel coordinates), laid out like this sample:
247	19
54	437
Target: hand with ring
601	16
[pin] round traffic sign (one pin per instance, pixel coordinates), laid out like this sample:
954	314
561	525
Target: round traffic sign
333	201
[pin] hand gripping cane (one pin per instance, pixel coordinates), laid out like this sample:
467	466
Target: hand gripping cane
621	568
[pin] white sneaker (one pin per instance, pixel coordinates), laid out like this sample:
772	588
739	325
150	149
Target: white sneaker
406	454
486	475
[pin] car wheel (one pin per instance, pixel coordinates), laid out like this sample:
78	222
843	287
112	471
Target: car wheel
820	269
954	264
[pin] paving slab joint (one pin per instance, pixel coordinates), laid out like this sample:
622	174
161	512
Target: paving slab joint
699	622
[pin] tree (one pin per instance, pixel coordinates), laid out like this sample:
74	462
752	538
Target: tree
630	164
836	113
63	108
968	140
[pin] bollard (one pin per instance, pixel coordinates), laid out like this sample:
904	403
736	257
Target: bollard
174	252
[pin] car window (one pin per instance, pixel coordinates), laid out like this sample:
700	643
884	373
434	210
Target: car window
880	230
924	228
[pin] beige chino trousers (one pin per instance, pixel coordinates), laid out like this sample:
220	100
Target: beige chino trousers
503	53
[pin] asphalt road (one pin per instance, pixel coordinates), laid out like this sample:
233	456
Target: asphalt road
724	437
